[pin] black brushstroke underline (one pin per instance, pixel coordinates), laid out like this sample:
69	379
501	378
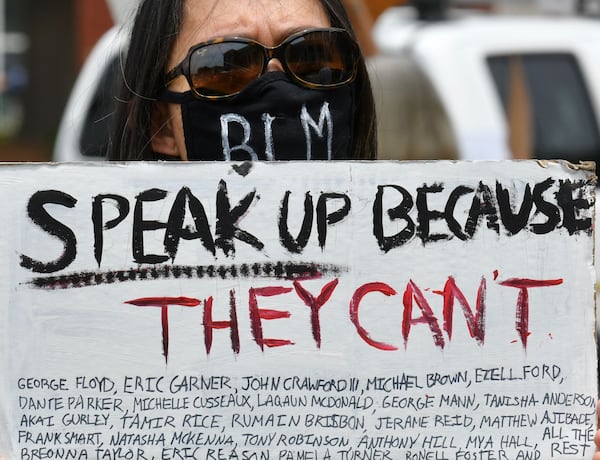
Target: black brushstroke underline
276	270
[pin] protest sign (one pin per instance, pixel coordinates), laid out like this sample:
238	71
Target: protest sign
335	310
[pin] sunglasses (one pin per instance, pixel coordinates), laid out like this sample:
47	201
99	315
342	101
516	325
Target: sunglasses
314	58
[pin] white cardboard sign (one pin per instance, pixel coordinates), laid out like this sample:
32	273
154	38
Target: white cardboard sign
297	311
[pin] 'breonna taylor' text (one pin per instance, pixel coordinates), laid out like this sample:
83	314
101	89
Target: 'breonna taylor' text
460	212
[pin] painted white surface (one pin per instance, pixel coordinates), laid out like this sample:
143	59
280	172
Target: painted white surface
370	400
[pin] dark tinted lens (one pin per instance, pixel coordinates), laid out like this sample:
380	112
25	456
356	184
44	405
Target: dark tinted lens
322	58
221	69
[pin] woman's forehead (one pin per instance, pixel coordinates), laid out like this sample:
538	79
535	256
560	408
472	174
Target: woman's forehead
268	21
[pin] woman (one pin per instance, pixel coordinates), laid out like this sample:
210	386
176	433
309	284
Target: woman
185	97
159	117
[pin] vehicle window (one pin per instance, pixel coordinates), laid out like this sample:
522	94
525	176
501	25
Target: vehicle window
98	122
555	100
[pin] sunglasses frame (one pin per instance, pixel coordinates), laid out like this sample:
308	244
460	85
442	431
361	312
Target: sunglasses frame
269	52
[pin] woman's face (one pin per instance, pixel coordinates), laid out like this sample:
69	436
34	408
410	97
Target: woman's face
266	21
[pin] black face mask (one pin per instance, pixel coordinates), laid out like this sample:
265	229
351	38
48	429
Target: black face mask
271	119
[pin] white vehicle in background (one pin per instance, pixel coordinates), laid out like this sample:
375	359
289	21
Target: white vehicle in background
530	83
84	130
86	123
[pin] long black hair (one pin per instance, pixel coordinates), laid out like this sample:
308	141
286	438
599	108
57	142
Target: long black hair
156	27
